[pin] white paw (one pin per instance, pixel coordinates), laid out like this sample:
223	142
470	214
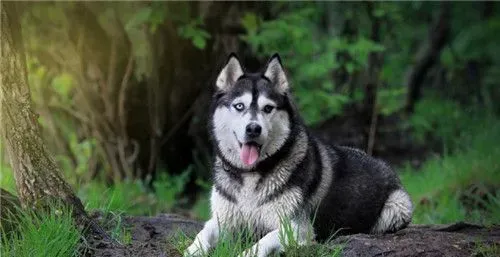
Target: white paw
196	249
251	252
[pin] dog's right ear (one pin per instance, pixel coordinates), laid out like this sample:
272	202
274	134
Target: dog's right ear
230	73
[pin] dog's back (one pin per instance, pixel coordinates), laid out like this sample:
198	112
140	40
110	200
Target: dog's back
365	195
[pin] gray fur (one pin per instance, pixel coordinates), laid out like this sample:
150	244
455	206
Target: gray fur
317	186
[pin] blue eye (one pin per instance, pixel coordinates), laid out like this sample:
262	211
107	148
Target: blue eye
268	108
239	107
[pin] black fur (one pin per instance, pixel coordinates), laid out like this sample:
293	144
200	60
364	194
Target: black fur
360	185
360	188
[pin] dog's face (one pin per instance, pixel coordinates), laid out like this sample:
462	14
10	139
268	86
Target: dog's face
251	119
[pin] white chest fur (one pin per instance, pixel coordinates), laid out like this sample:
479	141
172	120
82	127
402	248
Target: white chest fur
251	209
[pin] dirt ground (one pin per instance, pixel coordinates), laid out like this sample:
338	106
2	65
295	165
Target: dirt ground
152	236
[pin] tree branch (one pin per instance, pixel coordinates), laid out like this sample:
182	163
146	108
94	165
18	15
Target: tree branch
427	56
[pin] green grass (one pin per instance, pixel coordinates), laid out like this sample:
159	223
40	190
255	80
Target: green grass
471	173
133	197
233	244
486	250
113	223
201	208
50	233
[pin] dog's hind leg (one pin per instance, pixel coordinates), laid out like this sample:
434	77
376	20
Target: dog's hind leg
396	213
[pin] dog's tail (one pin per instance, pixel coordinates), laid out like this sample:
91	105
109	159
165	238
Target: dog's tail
396	214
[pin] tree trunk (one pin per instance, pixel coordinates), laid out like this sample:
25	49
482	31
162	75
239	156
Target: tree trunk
370	109
427	56
36	173
38	177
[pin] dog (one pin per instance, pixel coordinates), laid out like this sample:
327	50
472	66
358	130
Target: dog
269	167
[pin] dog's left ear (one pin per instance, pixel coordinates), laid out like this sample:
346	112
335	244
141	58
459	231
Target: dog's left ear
230	73
276	73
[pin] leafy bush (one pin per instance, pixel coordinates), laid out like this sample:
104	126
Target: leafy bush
134	197
310	57
439	187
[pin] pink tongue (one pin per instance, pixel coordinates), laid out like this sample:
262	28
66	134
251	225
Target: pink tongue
249	154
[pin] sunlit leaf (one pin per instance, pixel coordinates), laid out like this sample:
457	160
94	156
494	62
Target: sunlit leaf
199	42
250	22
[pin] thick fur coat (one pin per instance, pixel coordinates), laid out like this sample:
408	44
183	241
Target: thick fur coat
269	168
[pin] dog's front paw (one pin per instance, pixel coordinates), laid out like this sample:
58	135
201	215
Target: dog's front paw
250	252
196	249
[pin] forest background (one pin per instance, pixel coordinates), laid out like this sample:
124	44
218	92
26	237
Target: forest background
121	91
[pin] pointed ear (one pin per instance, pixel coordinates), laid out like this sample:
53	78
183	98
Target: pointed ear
276	73
230	73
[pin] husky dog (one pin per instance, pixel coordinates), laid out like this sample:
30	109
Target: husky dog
269	168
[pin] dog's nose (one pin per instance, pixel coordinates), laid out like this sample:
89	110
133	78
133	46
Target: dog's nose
253	130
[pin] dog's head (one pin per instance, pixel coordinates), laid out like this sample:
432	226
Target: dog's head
252	112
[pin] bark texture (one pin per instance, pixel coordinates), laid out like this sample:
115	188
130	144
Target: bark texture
36	173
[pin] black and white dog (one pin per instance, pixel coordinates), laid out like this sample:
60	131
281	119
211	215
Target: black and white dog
269	167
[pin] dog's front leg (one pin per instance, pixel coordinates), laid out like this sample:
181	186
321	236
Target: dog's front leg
205	240
276	240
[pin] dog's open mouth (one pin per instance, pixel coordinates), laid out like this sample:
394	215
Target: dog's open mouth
250	152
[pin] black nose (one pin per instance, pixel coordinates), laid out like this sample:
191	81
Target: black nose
253	130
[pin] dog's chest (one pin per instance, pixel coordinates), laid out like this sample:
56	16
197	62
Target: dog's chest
250	200
253	206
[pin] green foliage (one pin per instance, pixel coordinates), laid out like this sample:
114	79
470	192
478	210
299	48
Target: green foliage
310	57
194	32
201	209
472	60
168	188
7	181
439	119
152	15
134	197
439	188
155	14
390	100
312	39
82	151
43	234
